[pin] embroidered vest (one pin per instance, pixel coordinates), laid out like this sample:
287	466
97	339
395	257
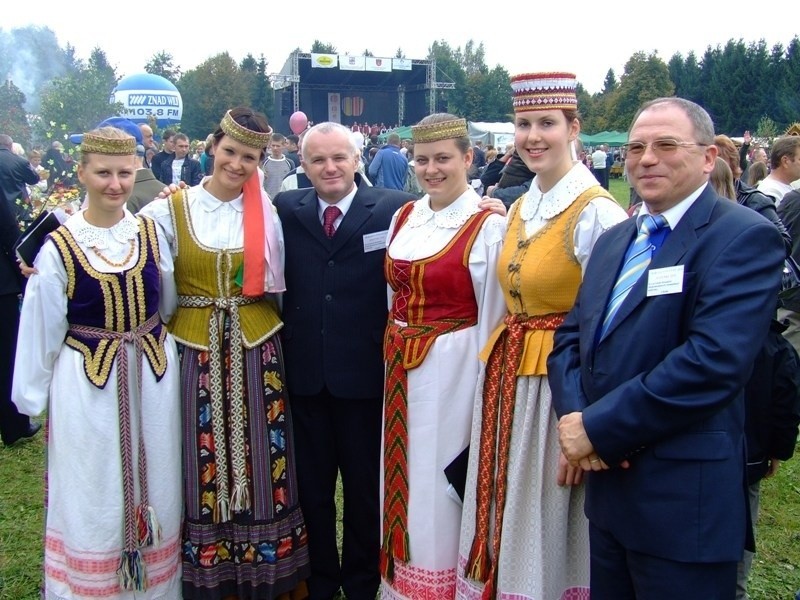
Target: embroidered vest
201	271
118	302
539	275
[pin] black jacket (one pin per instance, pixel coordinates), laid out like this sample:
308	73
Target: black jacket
765	206
191	171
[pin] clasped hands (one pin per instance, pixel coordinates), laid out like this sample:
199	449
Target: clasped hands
576	446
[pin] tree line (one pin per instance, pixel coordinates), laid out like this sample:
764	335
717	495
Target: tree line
742	85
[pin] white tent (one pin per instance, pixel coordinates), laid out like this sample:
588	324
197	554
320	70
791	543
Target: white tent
497	134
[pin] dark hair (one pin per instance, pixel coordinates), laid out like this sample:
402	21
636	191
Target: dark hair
249	118
168	134
783	146
756	172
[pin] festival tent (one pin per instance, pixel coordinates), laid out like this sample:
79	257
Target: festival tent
497	134
612	138
404	132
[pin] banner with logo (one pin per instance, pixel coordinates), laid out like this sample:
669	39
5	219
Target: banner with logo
352	106
351	63
334	107
324	61
384	65
401	64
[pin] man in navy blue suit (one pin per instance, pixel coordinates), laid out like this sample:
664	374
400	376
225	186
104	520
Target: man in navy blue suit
647	381
335	312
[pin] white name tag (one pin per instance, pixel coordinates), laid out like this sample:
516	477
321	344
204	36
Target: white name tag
668	280
375	241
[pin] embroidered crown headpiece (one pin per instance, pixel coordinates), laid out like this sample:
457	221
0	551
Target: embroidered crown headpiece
544	91
446	130
248	137
98	144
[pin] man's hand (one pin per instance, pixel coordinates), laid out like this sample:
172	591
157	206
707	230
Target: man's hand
574	442
746	137
567	474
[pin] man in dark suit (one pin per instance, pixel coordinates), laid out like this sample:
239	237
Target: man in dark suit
15	172
146	187
647	382
335	313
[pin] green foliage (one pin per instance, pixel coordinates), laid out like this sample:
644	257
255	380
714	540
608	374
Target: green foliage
161	64
261	93
13	121
766	128
209	90
646	78
322	48
79	100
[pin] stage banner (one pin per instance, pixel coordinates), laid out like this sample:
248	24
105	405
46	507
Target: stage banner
352	106
334	107
351	63
324	61
401	64
384	65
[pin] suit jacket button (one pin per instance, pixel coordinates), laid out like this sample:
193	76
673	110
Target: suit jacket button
328	297
331	263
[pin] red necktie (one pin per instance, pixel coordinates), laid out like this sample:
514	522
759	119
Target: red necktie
329	218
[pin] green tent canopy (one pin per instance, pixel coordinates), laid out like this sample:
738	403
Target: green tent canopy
404	132
612	138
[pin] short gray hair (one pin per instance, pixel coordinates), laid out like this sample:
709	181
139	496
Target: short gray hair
700	119
330	127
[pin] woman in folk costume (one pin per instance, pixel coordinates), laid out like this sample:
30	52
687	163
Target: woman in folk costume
244	534
524	534
93	351
444	303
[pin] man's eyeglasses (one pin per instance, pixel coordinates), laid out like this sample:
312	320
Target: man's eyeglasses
666	146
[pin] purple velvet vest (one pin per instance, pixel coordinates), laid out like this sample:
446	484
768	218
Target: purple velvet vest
118	302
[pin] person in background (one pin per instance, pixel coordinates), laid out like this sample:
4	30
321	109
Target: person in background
648	373
784	159
97	357
293	148
166	153
146	187
207	159
756	173
276	166
179	166
523	531
244	535
721	179
15	174
444	302
389	168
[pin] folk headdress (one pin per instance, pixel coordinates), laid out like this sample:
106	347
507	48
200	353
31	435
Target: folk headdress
446	130
96	143
544	91
261	247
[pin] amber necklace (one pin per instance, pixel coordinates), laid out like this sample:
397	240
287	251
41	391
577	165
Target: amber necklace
111	263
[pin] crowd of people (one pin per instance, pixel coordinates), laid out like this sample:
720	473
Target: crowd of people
529	396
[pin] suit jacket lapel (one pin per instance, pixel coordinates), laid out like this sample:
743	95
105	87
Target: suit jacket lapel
308	214
670	254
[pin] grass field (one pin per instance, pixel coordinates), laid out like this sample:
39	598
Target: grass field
775	575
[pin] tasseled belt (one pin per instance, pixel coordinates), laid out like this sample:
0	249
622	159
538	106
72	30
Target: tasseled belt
499	392
239	499
140	522
405	347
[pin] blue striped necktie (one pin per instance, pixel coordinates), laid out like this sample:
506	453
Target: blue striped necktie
636	261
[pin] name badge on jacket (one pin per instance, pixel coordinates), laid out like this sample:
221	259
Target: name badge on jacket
375	241
668	280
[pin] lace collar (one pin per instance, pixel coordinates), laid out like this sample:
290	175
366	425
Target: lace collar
559	198
210	203
452	217
103	237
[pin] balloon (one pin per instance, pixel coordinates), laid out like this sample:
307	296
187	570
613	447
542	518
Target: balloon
298	122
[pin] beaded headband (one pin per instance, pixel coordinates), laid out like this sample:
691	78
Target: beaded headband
248	137
446	130
95	144
544	91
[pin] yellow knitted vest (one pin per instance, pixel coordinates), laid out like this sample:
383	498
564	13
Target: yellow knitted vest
210	272
539	276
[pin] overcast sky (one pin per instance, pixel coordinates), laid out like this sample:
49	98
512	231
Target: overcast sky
572	36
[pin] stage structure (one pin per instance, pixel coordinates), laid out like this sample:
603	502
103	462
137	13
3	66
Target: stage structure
351	89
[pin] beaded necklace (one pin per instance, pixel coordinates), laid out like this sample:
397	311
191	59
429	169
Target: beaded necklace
111	263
